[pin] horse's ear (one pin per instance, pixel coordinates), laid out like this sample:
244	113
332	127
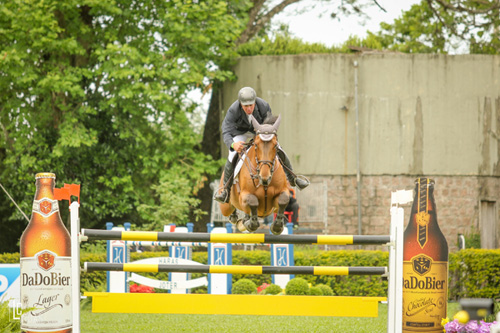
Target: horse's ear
255	123
277	124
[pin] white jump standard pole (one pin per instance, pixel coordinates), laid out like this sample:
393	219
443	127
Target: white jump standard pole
75	264
395	290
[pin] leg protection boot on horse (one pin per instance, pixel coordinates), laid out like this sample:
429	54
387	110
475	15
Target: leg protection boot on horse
300	181
223	195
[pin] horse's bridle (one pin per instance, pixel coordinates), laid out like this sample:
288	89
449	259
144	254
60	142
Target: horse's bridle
266	133
255	171
270	164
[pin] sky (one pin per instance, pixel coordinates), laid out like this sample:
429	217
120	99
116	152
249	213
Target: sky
316	26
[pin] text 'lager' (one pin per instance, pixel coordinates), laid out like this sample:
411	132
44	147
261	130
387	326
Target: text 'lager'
425	265
46	264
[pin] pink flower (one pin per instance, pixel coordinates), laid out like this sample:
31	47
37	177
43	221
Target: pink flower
454	327
262	287
472	326
134	288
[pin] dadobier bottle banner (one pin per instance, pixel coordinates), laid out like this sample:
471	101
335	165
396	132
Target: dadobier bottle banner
46	264
425	264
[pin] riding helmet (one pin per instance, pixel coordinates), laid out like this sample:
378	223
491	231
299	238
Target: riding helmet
247	96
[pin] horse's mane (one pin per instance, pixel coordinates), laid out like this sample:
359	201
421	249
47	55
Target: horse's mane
270	120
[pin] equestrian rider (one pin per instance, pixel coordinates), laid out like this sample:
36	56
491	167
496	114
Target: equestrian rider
237	129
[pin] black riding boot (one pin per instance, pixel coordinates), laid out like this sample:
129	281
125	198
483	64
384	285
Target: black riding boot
223	195
301	182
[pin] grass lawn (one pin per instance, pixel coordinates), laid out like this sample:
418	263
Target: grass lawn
104	322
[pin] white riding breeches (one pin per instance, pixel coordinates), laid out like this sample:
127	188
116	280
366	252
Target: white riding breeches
242	137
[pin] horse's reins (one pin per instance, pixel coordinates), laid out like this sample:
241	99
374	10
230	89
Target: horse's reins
272	164
254	172
284	166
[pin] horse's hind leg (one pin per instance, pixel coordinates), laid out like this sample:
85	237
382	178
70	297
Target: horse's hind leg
279	222
252	223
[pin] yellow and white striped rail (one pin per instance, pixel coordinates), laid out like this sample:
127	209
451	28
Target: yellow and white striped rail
94	234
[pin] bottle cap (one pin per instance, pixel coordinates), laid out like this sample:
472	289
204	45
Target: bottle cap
45	175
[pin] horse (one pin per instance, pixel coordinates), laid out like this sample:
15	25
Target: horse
260	188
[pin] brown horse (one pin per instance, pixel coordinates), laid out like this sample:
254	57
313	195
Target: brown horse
260	187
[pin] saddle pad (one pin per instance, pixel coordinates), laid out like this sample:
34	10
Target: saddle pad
238	167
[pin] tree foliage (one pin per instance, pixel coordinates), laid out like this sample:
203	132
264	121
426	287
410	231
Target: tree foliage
96	92
416	31
443	26
281	44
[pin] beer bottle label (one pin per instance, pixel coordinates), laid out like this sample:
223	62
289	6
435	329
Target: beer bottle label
45	207
46	287
422	217
424	294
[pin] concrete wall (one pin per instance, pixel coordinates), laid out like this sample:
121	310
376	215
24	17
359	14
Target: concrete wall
432	115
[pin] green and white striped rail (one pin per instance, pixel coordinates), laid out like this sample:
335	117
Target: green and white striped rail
95	234
235	269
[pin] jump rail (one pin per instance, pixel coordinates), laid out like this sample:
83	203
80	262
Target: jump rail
235	304
160	243
286	305
150	243
94	234
235	269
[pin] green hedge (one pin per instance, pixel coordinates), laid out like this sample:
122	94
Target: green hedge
92	281
346	285
9	258
472	272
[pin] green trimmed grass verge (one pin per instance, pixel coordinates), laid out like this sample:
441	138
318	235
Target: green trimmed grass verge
108	322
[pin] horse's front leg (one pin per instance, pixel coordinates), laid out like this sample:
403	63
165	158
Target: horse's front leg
279	222
251	203
233	218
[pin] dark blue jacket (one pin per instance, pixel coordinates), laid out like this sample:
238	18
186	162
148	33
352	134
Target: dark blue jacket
236	120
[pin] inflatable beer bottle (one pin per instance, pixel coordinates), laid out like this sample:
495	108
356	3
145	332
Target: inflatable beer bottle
46	264
425	265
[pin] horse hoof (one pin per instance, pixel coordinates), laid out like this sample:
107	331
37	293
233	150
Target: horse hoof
277	227
240	226
251	224
233	219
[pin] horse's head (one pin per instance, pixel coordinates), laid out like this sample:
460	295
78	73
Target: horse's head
266	144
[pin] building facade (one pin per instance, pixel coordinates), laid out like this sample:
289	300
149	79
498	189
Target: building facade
377	121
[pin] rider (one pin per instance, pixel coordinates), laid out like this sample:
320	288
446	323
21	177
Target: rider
237	129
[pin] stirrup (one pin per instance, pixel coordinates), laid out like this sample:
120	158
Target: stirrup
301	182
222	196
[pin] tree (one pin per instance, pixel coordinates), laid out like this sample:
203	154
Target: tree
476	22
95	91
414	32
444	26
